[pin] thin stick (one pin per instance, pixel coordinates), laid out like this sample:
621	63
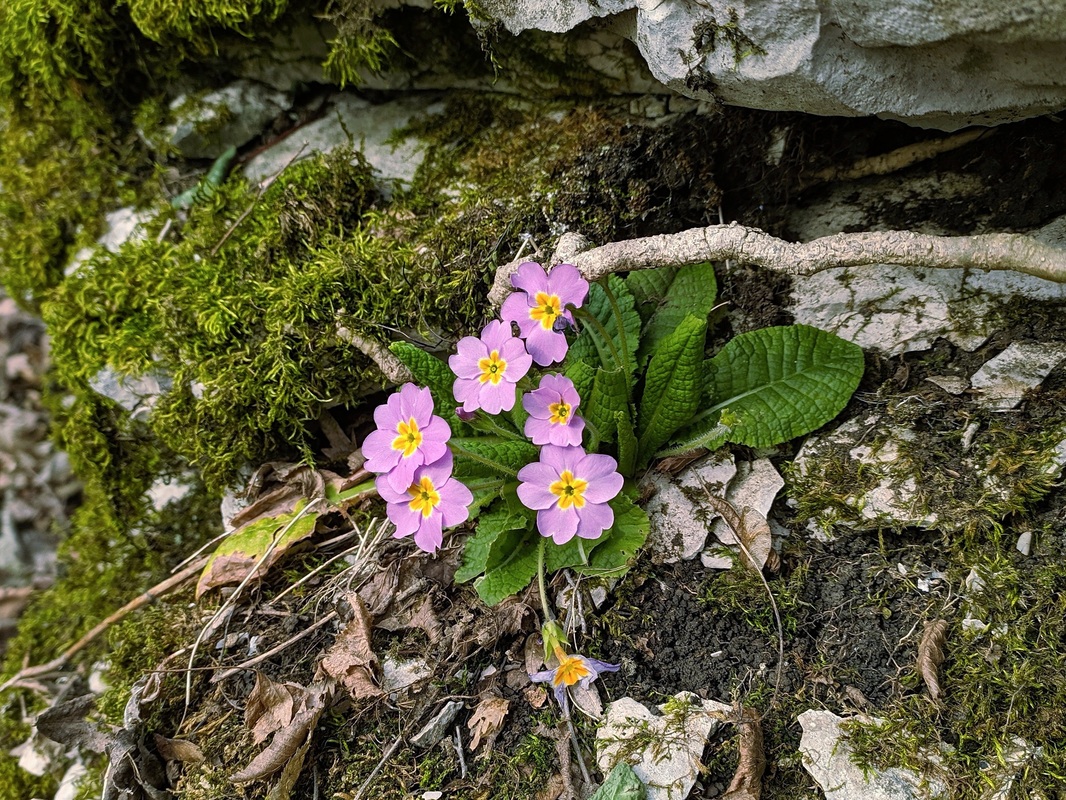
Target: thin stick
232	599
273	651
160	589
459	750
374	772
577	751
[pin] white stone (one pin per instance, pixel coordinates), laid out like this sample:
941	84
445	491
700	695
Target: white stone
68	784
400	676
827	757
1003	380
371	128
755	486
135	393
950	383
669	760
437	728
163	492
679	526
935	65
233	115
1025	543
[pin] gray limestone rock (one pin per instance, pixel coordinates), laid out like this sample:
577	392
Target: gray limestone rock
234	115
668	758
1003	380
679	523
368	126
827	757
934	65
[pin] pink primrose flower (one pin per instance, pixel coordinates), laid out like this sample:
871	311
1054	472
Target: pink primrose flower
409	435
488	368
431	502
552	408
569	489
573	669
539	306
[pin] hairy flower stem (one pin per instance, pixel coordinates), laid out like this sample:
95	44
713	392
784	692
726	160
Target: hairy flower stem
542	586
587	317
605	283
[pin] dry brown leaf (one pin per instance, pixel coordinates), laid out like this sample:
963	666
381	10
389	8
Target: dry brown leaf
552	789
178	750
282	748
270	706
747	781
671	465
487	720
751	529
931	654
379	591
298	481
536	695
424	618
351	659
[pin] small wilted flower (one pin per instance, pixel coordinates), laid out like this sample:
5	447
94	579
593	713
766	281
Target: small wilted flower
569	489
431	502
552	418
408	436
488	368
573	669
539	307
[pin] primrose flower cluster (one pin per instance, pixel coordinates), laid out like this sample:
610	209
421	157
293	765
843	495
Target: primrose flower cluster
567	487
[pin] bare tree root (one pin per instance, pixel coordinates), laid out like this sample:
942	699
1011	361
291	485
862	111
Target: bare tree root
993	251
393	369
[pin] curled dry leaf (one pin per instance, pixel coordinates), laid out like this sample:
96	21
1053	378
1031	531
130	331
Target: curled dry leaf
351	659
65	723
290	742
178	750
751	529
486	721
747	782
270	706
931	654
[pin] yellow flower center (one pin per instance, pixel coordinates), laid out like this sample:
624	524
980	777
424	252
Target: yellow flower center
492	368
548	307
569	490
571	670
408	439
560	413
424	496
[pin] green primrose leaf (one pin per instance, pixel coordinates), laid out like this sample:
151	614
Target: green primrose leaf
649	287
582	374
693	291
491	525
491	454
673	386
590	345
617	548
609	395
430	371
775	384
515	569
627	444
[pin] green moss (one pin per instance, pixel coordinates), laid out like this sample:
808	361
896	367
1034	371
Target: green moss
740	591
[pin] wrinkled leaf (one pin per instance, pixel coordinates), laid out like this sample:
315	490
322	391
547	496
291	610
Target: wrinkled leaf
482	455
617	548
608	396
351	659
65	723
673	385
691	293
270	706
504	516
285	744
517	553
590	345
931	654
649	288
487	720
239	552
772	385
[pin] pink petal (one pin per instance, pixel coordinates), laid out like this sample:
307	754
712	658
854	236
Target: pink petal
402	475
540	431
466	391
594	519
546	347
495	335
455	500
388	494
562	458
377	448
416	402
560	525
566	281
429	535
468	352
515	308
438	471
388	413
530	278
405	520
533	491
568	435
